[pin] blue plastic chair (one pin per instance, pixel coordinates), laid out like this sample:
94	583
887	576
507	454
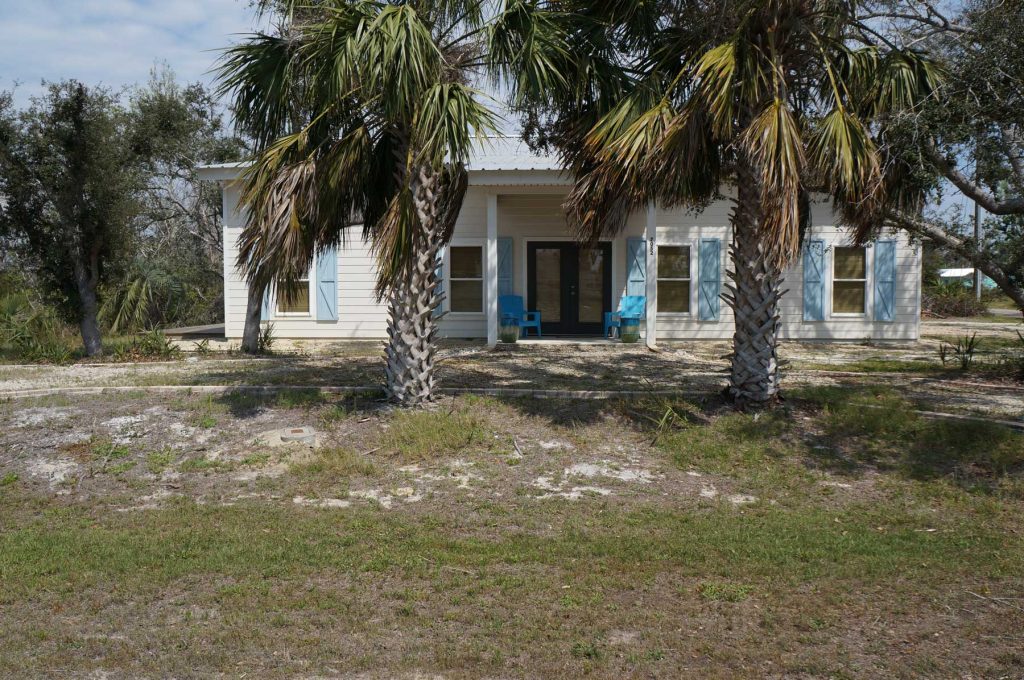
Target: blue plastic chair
630	307
512	305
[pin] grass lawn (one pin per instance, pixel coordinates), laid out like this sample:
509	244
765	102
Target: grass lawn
838	536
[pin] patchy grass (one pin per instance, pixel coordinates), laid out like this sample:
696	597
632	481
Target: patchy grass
258	459
205	465
719	591
334	464
160	460
880	366
757	449
261	577
881	544
879	427
96	448
428	435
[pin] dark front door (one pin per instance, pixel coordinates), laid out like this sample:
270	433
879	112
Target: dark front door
570	285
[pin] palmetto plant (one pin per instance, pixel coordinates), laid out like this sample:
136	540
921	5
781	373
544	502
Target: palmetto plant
676	101
364	113
144	299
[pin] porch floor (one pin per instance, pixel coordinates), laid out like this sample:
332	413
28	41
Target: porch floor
572	340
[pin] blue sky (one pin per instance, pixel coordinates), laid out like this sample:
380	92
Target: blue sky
113	42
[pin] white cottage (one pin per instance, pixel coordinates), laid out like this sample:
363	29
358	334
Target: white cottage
511	238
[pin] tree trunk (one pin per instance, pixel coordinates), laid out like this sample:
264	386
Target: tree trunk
410	352
253	314
754	296
88	324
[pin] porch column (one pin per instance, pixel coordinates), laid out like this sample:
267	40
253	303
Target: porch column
491	297
651	274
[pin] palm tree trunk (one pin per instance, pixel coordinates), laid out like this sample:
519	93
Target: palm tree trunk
253	314
754	296
410	352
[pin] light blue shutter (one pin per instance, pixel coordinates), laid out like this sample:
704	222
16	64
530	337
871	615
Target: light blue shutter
439	275
636	267
885	280
265	307
709	260
814	281
505	265
327	285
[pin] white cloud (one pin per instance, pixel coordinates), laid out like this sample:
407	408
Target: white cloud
114	42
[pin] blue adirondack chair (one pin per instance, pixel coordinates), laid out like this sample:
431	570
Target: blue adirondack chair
512	305
630	307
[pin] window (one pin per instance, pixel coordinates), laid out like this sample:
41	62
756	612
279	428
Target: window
849	280
294	299
466	277
674	279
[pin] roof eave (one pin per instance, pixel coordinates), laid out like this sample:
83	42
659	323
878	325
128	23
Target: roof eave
228	172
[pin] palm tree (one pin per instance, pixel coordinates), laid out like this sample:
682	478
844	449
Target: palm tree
779	98
363	113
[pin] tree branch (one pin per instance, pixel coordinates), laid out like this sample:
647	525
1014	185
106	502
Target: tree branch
971	189
932	231
1013	152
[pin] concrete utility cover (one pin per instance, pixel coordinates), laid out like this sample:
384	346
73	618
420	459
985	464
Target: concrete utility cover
306	435
288	435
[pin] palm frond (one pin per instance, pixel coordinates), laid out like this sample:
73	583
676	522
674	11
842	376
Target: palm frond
258	75
688	167
527	46
774	145
842	151
400	60
904	80
450	116
716	72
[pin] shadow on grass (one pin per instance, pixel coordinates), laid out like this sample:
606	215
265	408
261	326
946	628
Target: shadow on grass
875	427
556	367
248	404
846	430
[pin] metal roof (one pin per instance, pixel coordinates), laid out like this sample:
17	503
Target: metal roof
508	153
956	272
489	154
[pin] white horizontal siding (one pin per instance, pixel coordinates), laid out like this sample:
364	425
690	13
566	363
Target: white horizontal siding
682	227
536	214
359	314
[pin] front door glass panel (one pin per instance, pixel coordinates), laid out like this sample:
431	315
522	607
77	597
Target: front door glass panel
549	284
591	285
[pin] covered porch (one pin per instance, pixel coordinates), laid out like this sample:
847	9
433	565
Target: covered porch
521	246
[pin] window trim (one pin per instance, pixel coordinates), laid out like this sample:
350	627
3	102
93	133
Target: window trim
691	255
832	281
310	283
481	245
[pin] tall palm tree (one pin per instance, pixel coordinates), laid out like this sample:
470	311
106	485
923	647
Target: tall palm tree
363	113
779	98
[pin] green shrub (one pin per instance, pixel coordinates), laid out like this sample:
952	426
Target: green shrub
31	330
950	298
151	346
265	340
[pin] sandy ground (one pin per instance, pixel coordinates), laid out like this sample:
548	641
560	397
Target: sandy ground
684	367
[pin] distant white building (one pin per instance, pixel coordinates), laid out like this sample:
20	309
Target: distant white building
511	238
966	275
